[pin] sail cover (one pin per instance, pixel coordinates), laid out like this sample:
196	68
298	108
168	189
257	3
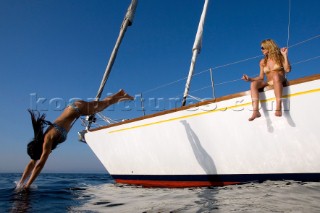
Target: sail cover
131	11
127	21
198	40
195	50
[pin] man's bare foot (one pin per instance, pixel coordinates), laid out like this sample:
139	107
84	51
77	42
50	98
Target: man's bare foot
255	114
278	113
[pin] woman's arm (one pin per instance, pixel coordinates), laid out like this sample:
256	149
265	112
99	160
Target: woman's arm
260	77
286	64
37	169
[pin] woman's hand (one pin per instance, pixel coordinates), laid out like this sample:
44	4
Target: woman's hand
245	77
286	63
19	187
284	51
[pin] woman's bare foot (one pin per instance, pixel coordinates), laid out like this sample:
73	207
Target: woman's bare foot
278	113
255	114
124	96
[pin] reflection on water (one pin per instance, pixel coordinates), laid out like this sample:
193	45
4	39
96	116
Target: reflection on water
136	199
256	197
21	201
97	193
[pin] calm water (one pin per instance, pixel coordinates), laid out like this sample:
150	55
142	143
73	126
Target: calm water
98	193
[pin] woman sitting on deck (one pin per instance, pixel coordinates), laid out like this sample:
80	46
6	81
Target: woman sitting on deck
273	65
43	143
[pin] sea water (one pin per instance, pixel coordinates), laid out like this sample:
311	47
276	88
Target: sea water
98	193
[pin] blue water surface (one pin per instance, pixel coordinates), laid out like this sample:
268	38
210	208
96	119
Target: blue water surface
98	193
49	193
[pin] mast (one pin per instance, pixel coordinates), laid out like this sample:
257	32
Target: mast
195	50
128	20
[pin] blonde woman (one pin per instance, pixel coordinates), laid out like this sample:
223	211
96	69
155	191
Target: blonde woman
274	65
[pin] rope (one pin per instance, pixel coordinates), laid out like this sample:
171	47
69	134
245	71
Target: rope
289	22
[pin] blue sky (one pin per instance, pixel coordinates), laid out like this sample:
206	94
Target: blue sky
56	50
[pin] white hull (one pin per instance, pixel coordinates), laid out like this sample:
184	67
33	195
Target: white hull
215	144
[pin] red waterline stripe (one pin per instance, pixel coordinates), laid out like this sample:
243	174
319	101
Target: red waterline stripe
174	184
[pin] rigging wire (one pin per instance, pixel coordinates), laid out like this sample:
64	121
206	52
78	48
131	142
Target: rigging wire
235	80
164	85
304	41
218	84
229	64
247	59
239	79
226	65
306	60
289	23
110	121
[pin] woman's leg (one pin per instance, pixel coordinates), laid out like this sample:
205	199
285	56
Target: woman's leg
255	86
89	108
26	173
278	87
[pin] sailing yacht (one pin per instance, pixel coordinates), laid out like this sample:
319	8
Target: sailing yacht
209	143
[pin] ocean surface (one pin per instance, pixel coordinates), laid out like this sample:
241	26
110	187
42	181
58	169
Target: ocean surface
98	193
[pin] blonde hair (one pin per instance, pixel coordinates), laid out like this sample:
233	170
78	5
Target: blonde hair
273	52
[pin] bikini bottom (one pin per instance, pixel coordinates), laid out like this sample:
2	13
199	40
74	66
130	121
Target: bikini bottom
63	132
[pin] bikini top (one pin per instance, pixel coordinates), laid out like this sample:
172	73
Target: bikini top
276	67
